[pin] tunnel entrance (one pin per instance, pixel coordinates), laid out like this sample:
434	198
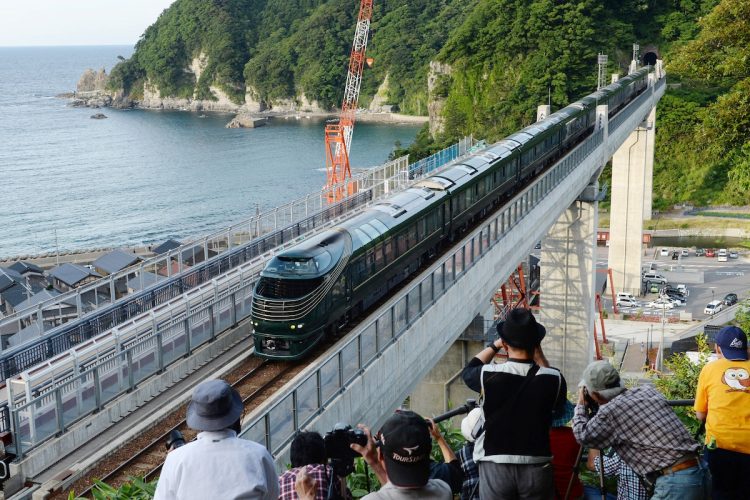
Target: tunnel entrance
649	58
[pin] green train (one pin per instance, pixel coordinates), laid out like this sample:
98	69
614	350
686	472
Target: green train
314	288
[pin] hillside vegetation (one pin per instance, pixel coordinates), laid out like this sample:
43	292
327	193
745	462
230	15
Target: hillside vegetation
501	59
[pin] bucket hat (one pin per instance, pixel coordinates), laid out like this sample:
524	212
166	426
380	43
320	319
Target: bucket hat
215	405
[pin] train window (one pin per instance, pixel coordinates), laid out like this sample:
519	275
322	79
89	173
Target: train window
294	265
339	289
379	226
379	257
370	256
401	243
359	273
422	228
388	250
411	236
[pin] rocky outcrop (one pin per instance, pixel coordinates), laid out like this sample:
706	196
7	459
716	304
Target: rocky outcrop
98	116
379	100
299	104
152	99
92	82
438	84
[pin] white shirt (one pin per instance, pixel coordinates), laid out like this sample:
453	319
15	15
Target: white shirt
218	465
435	489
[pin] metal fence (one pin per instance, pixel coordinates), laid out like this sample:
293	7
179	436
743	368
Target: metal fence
139	352
278	424
104	291
427	165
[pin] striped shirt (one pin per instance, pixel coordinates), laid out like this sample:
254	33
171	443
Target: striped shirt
640	426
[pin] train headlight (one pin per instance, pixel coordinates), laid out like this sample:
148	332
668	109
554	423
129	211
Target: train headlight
300	325
293	327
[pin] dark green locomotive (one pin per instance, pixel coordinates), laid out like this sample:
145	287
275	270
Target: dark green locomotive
312	289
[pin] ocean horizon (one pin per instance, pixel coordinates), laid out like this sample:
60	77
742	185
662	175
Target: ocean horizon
140	177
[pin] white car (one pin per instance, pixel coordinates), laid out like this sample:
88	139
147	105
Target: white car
713	307
722	255
685	252
627	302
661	304
733	255
664	252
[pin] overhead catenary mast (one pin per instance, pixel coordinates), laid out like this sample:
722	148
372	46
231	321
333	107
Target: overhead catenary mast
339	135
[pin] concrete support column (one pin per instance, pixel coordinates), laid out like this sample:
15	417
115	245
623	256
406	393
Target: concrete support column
627	212
568	276
648	190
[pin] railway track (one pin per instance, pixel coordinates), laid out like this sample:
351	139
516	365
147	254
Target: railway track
259	380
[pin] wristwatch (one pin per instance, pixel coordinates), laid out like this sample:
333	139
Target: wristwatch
492	346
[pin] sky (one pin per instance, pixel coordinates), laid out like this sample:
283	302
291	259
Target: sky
76	22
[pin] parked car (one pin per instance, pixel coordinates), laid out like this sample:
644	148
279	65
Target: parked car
654	288
654	278
682	288
664	252
699	252
733	254
685	252
713	307
675	299
710	252
722	255
669	289
624	302
661	304
730	299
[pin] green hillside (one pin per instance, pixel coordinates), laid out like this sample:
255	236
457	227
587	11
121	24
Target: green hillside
505	57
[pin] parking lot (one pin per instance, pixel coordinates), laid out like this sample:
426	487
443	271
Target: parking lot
719	279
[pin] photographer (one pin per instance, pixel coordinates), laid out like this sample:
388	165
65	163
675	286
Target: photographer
307	453
218	463
513	453
642	429
449	470
401	460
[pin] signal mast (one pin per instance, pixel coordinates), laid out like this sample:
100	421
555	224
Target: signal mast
339	135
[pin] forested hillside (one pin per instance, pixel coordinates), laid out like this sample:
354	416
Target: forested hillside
498	60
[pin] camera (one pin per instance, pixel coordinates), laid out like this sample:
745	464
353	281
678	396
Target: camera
174	440
591	406
337	441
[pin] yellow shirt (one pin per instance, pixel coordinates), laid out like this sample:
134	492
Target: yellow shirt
724	393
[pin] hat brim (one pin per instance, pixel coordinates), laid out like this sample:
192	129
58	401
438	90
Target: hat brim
540	332
407	476
734	353
203	423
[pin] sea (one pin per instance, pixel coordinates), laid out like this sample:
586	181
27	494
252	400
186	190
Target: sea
139	177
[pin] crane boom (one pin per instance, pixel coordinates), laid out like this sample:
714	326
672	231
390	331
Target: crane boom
339	135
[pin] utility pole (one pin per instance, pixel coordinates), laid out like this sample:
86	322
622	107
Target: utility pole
602	62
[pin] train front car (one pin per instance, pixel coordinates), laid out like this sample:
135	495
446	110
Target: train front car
291	301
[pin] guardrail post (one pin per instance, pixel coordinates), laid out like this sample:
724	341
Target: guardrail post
159	352
131	375
97	389
188	347
320	389
341	371
16	439
267	429
59	411
212	323
295	410
233	298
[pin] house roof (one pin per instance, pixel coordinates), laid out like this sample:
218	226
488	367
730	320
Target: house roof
166	247
8	277
148	280
14	295
26	267
29	333
41	297
115	261
72	274
175	268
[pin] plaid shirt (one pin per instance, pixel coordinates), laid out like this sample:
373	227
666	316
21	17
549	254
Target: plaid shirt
471	472
640	426
318	472
629	487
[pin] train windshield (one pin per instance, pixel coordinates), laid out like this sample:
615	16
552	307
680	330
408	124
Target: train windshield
300	265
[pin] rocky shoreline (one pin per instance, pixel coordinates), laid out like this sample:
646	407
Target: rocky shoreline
92	92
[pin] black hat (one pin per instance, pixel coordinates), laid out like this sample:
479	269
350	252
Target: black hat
520	329
215	405
406	444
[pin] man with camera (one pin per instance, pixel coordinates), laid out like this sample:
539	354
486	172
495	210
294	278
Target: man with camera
217	464
520	396
307	453
722	400
643	430
401	460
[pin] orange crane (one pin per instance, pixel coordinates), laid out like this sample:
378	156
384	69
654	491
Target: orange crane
339	135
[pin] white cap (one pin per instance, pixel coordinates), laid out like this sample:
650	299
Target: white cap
469	424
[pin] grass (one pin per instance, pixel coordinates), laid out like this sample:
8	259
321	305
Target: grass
737	221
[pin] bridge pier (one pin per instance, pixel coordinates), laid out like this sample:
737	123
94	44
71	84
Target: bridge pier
632	170
568	277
